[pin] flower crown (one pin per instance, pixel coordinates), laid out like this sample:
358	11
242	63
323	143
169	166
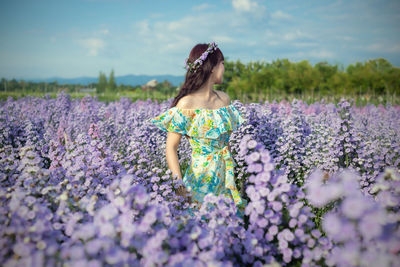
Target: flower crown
198	62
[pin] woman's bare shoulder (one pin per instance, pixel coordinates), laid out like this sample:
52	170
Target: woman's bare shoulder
225	97
185	102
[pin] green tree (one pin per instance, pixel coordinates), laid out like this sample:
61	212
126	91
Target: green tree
393	81
263	80
357	78
304	77
102	83
378	71
325	75
3	84
112	86
282	70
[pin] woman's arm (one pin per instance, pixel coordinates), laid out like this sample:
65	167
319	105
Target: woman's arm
173	140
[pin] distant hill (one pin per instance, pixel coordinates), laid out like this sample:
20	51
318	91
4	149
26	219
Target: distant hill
126	79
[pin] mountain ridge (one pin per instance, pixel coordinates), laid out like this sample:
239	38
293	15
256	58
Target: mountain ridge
130	79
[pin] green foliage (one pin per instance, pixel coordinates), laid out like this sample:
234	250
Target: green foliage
165	87
112	86
375	80
374	77
102	84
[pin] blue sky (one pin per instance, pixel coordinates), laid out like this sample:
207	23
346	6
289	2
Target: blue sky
74	38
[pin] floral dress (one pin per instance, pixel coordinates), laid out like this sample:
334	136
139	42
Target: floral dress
211	168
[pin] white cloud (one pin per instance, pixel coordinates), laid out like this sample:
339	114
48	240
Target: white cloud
290	38
347	38
166	36
176	25
321	54
244	5
156	15
273	42
170	41
92	44
182	33
304	44
248	10
280	15
104	31
312	54
379	47
179	34
297	34
202	7
222	39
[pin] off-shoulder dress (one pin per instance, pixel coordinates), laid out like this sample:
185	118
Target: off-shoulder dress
211	168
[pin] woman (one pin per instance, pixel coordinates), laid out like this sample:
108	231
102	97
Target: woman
207	118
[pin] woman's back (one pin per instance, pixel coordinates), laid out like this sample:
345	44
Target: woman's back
211	168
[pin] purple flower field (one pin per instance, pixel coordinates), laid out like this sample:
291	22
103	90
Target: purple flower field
84	183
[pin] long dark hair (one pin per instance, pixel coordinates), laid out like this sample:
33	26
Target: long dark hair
194	80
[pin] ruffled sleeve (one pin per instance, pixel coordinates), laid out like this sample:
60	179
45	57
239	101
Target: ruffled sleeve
171	121
200	123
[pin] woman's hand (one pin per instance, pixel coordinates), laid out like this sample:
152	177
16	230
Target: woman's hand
182	191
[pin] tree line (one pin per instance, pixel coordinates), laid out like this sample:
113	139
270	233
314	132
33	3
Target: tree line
373	77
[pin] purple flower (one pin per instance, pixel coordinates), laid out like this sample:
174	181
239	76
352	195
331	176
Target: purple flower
287	234
299	232
150	217
268	167
22	249
331	224
302	218
268	213
347	233
294	212
277	206
254	156
310	243
262	222
292	223
316	233
205	242
273	230
108	212
251	144
265	157
350	254
254	168
77	252
283	243
107	229
354	207
318	196
141	197
94	263
370	226
263	191
285	188
259	206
